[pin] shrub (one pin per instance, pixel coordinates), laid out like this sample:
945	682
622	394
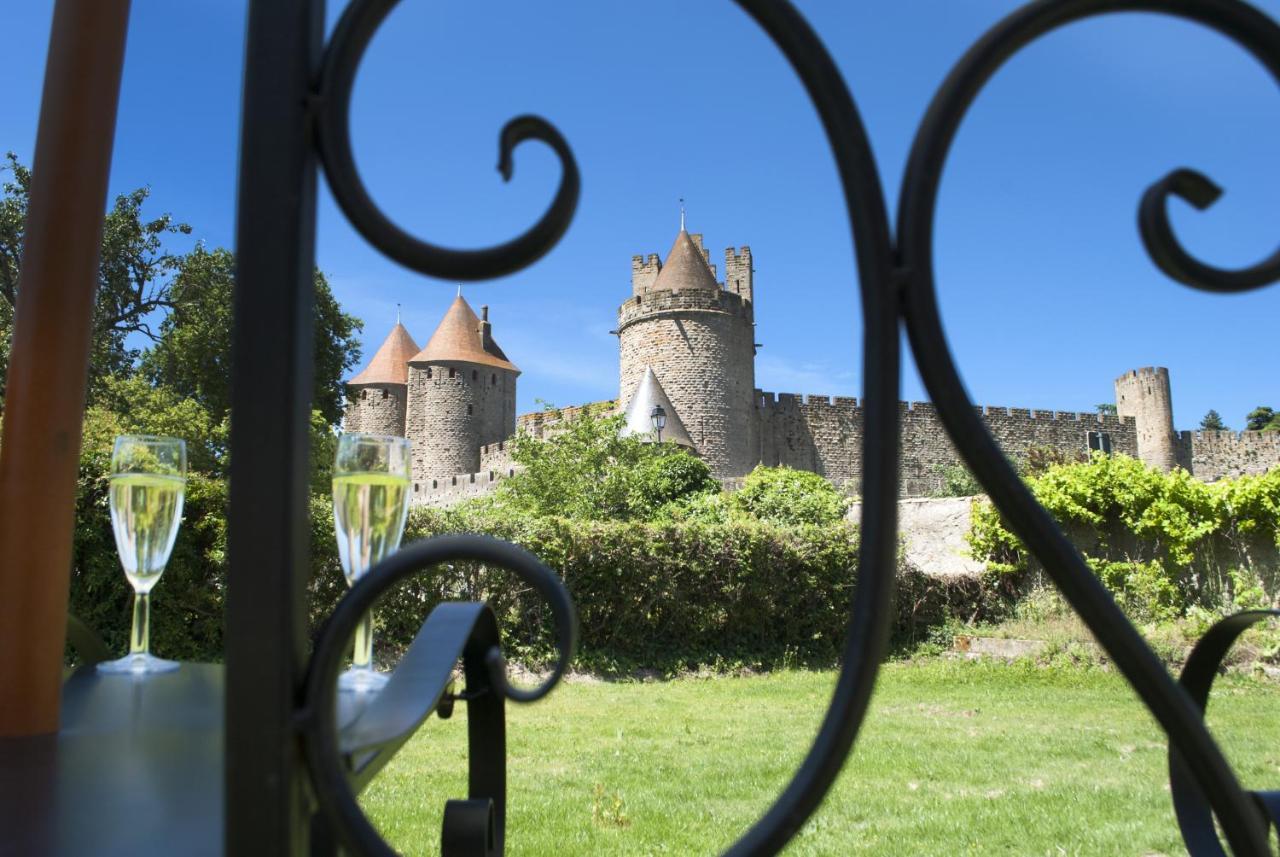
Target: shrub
584	469
782	496
1162	542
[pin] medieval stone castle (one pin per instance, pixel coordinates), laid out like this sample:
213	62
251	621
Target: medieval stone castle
687	343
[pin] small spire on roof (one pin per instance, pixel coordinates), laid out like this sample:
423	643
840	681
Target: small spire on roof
397	313
459	289
682	214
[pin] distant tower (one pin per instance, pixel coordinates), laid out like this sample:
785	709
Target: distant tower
699	340
462	395
377	397
1145	395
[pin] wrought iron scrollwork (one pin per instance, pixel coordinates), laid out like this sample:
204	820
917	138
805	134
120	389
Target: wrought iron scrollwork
895	269
354	31
421	682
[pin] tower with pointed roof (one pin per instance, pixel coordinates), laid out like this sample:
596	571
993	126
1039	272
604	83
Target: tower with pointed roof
377	398
697	337
461	394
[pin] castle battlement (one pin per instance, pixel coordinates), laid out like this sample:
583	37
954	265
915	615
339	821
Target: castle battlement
692	337
656	303
447	490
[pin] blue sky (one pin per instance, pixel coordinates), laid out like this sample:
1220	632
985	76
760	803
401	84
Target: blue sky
1045	289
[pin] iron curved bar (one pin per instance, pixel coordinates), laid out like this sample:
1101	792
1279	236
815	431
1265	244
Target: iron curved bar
870	613
318	718
1167	702
1189	804
355	29
1167	252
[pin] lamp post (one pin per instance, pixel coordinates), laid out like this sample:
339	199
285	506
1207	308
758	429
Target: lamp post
658	417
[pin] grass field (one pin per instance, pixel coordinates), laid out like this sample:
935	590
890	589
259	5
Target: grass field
957	758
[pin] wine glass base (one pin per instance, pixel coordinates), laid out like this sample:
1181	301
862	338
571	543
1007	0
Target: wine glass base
361	680
142	664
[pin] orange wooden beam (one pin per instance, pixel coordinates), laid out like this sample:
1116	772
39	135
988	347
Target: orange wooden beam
49	358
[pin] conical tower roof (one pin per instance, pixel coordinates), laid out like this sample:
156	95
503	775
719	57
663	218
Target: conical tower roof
461	338
390	365
638	420
685	267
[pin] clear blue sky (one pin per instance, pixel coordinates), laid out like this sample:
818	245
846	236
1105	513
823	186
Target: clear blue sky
1044	286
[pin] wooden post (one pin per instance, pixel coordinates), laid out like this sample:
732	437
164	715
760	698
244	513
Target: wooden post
49	359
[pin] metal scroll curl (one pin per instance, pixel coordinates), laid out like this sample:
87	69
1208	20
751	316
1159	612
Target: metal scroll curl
355	29
1173	709
467	626
1206	658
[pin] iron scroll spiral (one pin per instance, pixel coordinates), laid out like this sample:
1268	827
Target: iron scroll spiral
351	36
896	284
1170	705
318	718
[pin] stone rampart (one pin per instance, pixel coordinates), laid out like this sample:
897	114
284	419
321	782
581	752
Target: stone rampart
447	490
1221	454
824	435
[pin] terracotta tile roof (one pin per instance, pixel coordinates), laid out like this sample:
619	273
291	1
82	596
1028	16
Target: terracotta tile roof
462	337
390	365
685	267
637	417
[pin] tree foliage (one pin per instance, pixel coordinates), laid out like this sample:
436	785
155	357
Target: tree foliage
1262	418
780	495
1162	542
192	355
135	271
1212	421
584	469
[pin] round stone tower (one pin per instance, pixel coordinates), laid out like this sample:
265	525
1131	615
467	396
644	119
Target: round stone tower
377	398
699	340
462	395
1145	395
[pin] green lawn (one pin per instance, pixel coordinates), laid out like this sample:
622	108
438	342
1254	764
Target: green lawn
957	758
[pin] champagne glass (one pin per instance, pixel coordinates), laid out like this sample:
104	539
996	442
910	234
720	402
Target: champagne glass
370	503
148	481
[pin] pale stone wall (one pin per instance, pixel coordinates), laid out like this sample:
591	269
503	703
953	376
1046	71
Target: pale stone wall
376	409
933	534
1216	455
700	345
824	435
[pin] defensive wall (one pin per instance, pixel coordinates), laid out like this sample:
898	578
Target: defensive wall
824	435
1211	455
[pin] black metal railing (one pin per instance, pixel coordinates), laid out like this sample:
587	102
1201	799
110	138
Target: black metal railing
296	116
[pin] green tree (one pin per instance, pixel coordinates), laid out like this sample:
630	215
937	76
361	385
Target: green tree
1262	418
1213	421
584	469
193	353
1107	409
780	495
134	279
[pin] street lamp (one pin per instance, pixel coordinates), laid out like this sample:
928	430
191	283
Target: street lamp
658	417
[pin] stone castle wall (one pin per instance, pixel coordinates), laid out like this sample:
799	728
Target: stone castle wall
824	435
700	345
376	409
1212	455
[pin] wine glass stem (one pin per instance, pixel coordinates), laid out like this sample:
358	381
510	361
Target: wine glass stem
362	656
140	639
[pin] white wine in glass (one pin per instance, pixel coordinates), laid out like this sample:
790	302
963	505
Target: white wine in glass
370	503
148	481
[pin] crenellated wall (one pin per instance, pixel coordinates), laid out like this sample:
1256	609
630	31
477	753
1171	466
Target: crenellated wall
1223	454
824	435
